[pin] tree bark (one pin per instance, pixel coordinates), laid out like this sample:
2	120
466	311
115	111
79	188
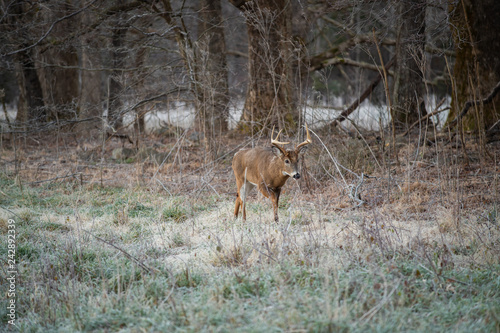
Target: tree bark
140	122
212	87
58	74
475	26
118	54
60	83
270	98
408	87
91	92
30	107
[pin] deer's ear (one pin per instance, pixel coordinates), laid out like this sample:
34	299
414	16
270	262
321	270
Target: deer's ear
278	152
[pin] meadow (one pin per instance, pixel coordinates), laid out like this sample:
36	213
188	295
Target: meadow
148	243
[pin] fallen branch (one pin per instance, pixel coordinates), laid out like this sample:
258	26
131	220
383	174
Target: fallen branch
128	255
433	113
468	105
361	98
55	178
344	61
492	127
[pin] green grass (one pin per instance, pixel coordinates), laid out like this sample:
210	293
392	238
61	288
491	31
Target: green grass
206	273
174	213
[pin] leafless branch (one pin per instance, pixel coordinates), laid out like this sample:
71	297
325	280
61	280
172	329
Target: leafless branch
346	61
128	255
433	113
51	28
362	97
55	178
468	104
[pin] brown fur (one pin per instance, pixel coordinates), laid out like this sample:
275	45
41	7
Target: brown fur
265	169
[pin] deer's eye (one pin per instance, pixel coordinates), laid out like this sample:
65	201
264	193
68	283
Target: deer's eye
287	161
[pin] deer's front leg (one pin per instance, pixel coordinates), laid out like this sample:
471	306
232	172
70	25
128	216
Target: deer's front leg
274	195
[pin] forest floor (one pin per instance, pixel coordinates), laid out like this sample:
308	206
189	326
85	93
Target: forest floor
112	239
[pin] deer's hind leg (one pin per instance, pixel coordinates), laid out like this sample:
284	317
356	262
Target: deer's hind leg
241	200
237	205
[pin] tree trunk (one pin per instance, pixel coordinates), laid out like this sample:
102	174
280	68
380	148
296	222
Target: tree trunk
408	89
270	98
212	88
30	107
475	26
59	74
91	80
60	83
118	54
138	77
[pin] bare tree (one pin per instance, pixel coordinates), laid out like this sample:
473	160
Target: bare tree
91	92
408	87
58	66
15	37
118	54
270	97
135	54
212	88
30	104
475	27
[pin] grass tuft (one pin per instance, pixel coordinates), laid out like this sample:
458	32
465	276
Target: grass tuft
174	213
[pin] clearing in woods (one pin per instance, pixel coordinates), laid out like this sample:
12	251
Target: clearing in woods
147	242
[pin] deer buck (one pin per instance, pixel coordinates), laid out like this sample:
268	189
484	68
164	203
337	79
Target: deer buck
268	168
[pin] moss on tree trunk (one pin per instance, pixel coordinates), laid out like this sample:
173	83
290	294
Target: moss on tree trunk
476	26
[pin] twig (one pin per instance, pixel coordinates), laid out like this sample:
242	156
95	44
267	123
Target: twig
128	255
433	113
52	179
362	97
164	187
345	61
210	185
366	143
179	142
387	94
8	210
353	189
50	29
492	127
468	104
368	315
458	281
48	126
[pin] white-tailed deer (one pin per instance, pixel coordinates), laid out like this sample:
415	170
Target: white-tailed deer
268	168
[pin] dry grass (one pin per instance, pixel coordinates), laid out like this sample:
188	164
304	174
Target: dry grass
106	246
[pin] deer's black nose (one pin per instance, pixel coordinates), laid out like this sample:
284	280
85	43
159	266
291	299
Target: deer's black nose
296	176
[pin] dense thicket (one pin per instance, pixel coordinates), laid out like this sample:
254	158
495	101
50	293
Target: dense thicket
93	62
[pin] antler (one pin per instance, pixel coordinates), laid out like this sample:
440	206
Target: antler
308	140
278	144
275	141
